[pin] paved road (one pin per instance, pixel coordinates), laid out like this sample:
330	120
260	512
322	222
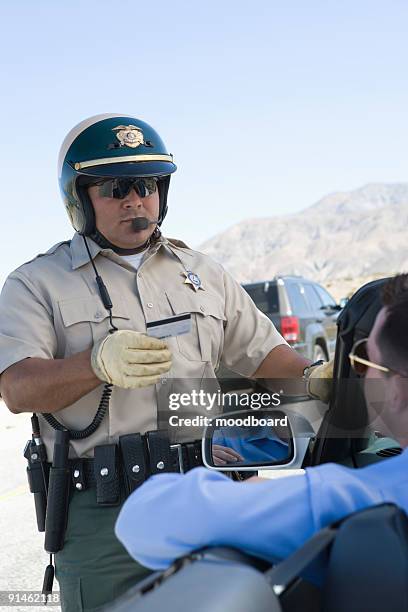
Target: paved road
22	557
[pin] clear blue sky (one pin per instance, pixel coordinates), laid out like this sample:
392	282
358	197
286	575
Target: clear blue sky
266	105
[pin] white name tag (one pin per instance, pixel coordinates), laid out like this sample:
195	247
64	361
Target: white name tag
172	326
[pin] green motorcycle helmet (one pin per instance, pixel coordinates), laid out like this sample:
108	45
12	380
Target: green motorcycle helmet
109	146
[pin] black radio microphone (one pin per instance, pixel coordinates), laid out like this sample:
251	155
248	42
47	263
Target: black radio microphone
142	223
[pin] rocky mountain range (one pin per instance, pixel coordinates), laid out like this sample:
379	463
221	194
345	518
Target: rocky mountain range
346	235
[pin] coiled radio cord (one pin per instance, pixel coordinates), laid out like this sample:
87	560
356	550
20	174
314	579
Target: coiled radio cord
108	387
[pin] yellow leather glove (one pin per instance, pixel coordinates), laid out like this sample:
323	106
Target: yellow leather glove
130	359
319	381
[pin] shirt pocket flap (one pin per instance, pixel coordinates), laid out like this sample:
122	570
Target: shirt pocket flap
201	302
76	310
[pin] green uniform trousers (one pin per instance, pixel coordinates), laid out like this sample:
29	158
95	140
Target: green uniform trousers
93	568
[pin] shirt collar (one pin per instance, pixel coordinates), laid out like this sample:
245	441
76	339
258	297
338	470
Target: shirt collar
79	254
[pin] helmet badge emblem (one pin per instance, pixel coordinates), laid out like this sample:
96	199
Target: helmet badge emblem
129	136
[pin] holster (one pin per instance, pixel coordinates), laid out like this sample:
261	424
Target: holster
37	474
57	508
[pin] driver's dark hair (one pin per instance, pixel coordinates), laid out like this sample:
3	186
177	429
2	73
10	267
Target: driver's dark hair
393	336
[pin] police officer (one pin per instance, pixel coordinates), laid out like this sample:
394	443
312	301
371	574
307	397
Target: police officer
73	337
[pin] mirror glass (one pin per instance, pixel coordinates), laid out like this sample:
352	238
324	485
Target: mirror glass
249	438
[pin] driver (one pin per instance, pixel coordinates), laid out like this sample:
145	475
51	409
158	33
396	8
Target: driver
270	518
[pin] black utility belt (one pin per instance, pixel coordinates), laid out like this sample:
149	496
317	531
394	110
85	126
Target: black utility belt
130	462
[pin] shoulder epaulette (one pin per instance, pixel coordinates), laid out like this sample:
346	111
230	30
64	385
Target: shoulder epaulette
178	243
51	251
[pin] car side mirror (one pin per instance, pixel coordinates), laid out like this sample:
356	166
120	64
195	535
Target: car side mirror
331	307
255	439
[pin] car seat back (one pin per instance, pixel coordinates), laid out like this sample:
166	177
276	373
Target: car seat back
343	428
368	565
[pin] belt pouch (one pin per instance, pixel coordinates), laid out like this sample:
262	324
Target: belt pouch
159	451
107	475
134	462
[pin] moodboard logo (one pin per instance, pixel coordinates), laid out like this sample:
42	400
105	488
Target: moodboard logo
252	421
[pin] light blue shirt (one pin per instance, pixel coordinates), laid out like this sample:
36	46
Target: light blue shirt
173	514
262	446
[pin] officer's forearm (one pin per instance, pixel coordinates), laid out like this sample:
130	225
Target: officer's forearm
47	385
282	371
282	362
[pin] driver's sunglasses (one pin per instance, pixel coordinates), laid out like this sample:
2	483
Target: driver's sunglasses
360	362
121	187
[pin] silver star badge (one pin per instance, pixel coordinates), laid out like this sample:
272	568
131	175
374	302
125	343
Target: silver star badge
193	279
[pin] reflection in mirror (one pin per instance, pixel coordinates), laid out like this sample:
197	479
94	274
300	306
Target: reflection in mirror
245	439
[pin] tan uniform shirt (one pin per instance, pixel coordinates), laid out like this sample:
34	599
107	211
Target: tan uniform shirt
51	308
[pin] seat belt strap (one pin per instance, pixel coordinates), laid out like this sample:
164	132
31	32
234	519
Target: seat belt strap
281	576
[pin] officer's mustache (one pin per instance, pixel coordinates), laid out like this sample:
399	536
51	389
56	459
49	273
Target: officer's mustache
142	223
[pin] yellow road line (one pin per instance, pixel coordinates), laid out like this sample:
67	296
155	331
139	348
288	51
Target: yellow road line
15	492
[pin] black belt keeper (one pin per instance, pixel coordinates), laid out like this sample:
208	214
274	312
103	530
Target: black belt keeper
158	445
133	461
192	456
79	476
107	476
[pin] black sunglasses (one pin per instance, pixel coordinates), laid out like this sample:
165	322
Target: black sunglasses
121	187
